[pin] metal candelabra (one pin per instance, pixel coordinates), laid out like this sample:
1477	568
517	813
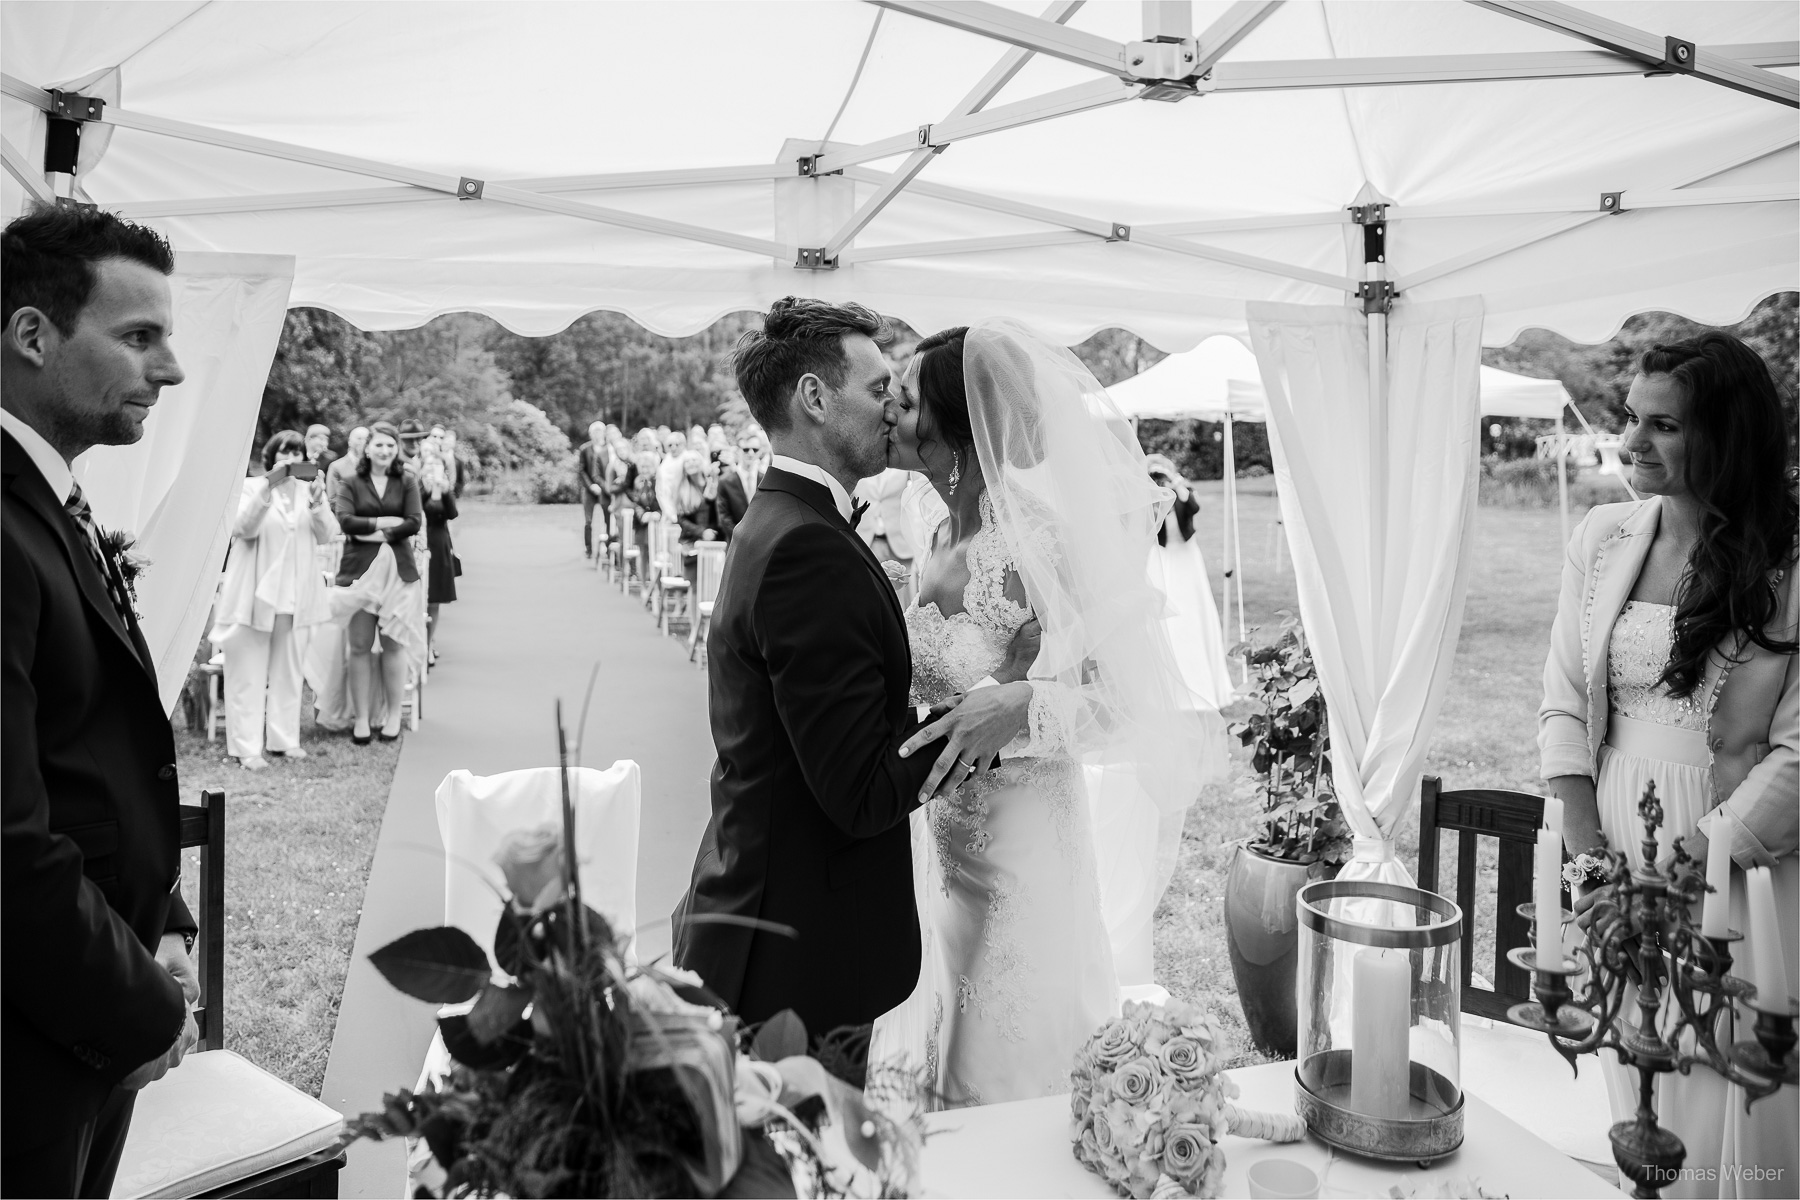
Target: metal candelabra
1642	934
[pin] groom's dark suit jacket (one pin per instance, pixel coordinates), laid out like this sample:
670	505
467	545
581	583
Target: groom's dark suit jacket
91	829
808	671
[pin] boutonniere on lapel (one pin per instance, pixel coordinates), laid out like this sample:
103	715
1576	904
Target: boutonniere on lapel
121	546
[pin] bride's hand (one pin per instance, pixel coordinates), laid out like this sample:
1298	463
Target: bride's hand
985	723
1021	652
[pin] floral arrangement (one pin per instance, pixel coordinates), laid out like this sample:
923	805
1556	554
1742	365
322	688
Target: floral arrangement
1301	821
577	1073
1581	869
1151	1104
132	562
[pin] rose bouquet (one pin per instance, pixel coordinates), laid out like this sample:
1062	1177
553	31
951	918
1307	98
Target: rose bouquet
1151	1104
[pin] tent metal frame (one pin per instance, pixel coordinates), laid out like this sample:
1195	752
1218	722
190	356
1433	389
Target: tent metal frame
1171	63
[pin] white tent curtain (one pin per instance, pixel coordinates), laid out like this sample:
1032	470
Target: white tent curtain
1378	497
175	488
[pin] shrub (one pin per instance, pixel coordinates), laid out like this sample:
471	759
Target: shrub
1531	483
539	483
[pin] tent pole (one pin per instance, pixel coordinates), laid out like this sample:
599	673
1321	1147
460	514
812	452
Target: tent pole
1234	554
1562	473
1376	318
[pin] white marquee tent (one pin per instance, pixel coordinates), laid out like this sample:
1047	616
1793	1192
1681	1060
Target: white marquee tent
1372	191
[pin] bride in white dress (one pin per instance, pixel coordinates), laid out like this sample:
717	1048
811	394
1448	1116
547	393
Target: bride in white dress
1050	513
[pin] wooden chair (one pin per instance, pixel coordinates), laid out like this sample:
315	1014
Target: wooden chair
1512	1068
1512	818
217	1125
628	556
709	567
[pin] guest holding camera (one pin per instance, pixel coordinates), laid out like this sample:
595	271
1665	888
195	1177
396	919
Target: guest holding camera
1673	661
272	590
378	584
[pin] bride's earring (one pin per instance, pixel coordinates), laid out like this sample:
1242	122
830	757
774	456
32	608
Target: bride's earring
955	471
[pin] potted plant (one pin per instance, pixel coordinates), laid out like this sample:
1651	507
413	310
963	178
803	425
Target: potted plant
1302	835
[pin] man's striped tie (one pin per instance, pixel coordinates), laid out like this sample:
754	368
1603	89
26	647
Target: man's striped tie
83	516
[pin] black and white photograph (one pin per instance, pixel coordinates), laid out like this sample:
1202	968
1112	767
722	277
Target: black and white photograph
900	598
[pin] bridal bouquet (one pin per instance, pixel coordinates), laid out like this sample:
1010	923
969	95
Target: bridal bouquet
1151	1104
577	1073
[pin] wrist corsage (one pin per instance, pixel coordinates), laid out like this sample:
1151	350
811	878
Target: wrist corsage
1582	869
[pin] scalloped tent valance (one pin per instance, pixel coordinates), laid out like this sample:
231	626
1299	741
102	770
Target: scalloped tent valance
668	161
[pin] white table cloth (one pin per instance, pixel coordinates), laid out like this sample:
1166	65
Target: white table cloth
1022	1149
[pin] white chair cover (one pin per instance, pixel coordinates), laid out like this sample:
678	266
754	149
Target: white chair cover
475	812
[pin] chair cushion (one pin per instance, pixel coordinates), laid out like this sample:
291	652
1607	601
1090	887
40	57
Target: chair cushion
214	1120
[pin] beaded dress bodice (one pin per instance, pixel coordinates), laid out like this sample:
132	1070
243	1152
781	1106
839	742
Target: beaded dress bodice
951	654
1642	638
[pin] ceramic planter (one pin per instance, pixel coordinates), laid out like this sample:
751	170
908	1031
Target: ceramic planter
1262	937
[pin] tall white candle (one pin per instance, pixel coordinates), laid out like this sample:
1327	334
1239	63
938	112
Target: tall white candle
1381	1004
1715	911
1553	815
1547	894
1770	968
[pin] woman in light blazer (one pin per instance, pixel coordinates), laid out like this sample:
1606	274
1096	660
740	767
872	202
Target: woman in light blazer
272	591
1673	661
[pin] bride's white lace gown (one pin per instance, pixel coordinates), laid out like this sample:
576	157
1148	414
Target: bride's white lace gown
1017	970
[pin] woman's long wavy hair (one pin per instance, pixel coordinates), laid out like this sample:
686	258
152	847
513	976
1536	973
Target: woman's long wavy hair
1737	451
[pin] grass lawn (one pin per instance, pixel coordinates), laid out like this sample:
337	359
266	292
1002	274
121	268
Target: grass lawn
1486	733
299	839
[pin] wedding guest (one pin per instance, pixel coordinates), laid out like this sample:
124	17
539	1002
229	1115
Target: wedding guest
717	441
95	995
1673	660
453	463
591	462
412	435
646	498
696	499
884	526
439	502
318	447
378	585
1193	619
345	466
668	472
272	590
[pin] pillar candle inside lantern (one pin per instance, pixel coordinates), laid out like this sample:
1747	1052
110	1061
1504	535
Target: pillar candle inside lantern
1381	1004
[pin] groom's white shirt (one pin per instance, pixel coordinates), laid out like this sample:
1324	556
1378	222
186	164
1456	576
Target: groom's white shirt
806	470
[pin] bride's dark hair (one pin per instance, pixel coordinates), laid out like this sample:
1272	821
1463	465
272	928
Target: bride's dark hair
1737	471
943	397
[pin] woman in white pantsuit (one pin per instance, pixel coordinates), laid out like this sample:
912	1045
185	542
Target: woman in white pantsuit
273	590
1673	661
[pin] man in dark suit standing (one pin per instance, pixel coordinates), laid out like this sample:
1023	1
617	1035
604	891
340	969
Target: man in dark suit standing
737	483
808	673
591	462
94	1001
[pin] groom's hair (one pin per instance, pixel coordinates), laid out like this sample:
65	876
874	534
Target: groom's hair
47	259
800	336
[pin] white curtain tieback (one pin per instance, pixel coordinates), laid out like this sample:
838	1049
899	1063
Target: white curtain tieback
1372	850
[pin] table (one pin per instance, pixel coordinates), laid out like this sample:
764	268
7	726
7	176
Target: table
1022	1149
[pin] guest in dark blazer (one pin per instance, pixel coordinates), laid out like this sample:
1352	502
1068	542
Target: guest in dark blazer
808	672
97	981
591	462
731	503
379	509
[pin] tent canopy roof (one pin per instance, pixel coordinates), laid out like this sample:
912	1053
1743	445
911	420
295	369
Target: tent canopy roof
642	157
1220	376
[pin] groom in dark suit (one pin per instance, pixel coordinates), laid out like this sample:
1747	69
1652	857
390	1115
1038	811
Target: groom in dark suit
808	670
97	979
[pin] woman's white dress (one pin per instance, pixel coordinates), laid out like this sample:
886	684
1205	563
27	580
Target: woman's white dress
1017	969
1193	621
1653	736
